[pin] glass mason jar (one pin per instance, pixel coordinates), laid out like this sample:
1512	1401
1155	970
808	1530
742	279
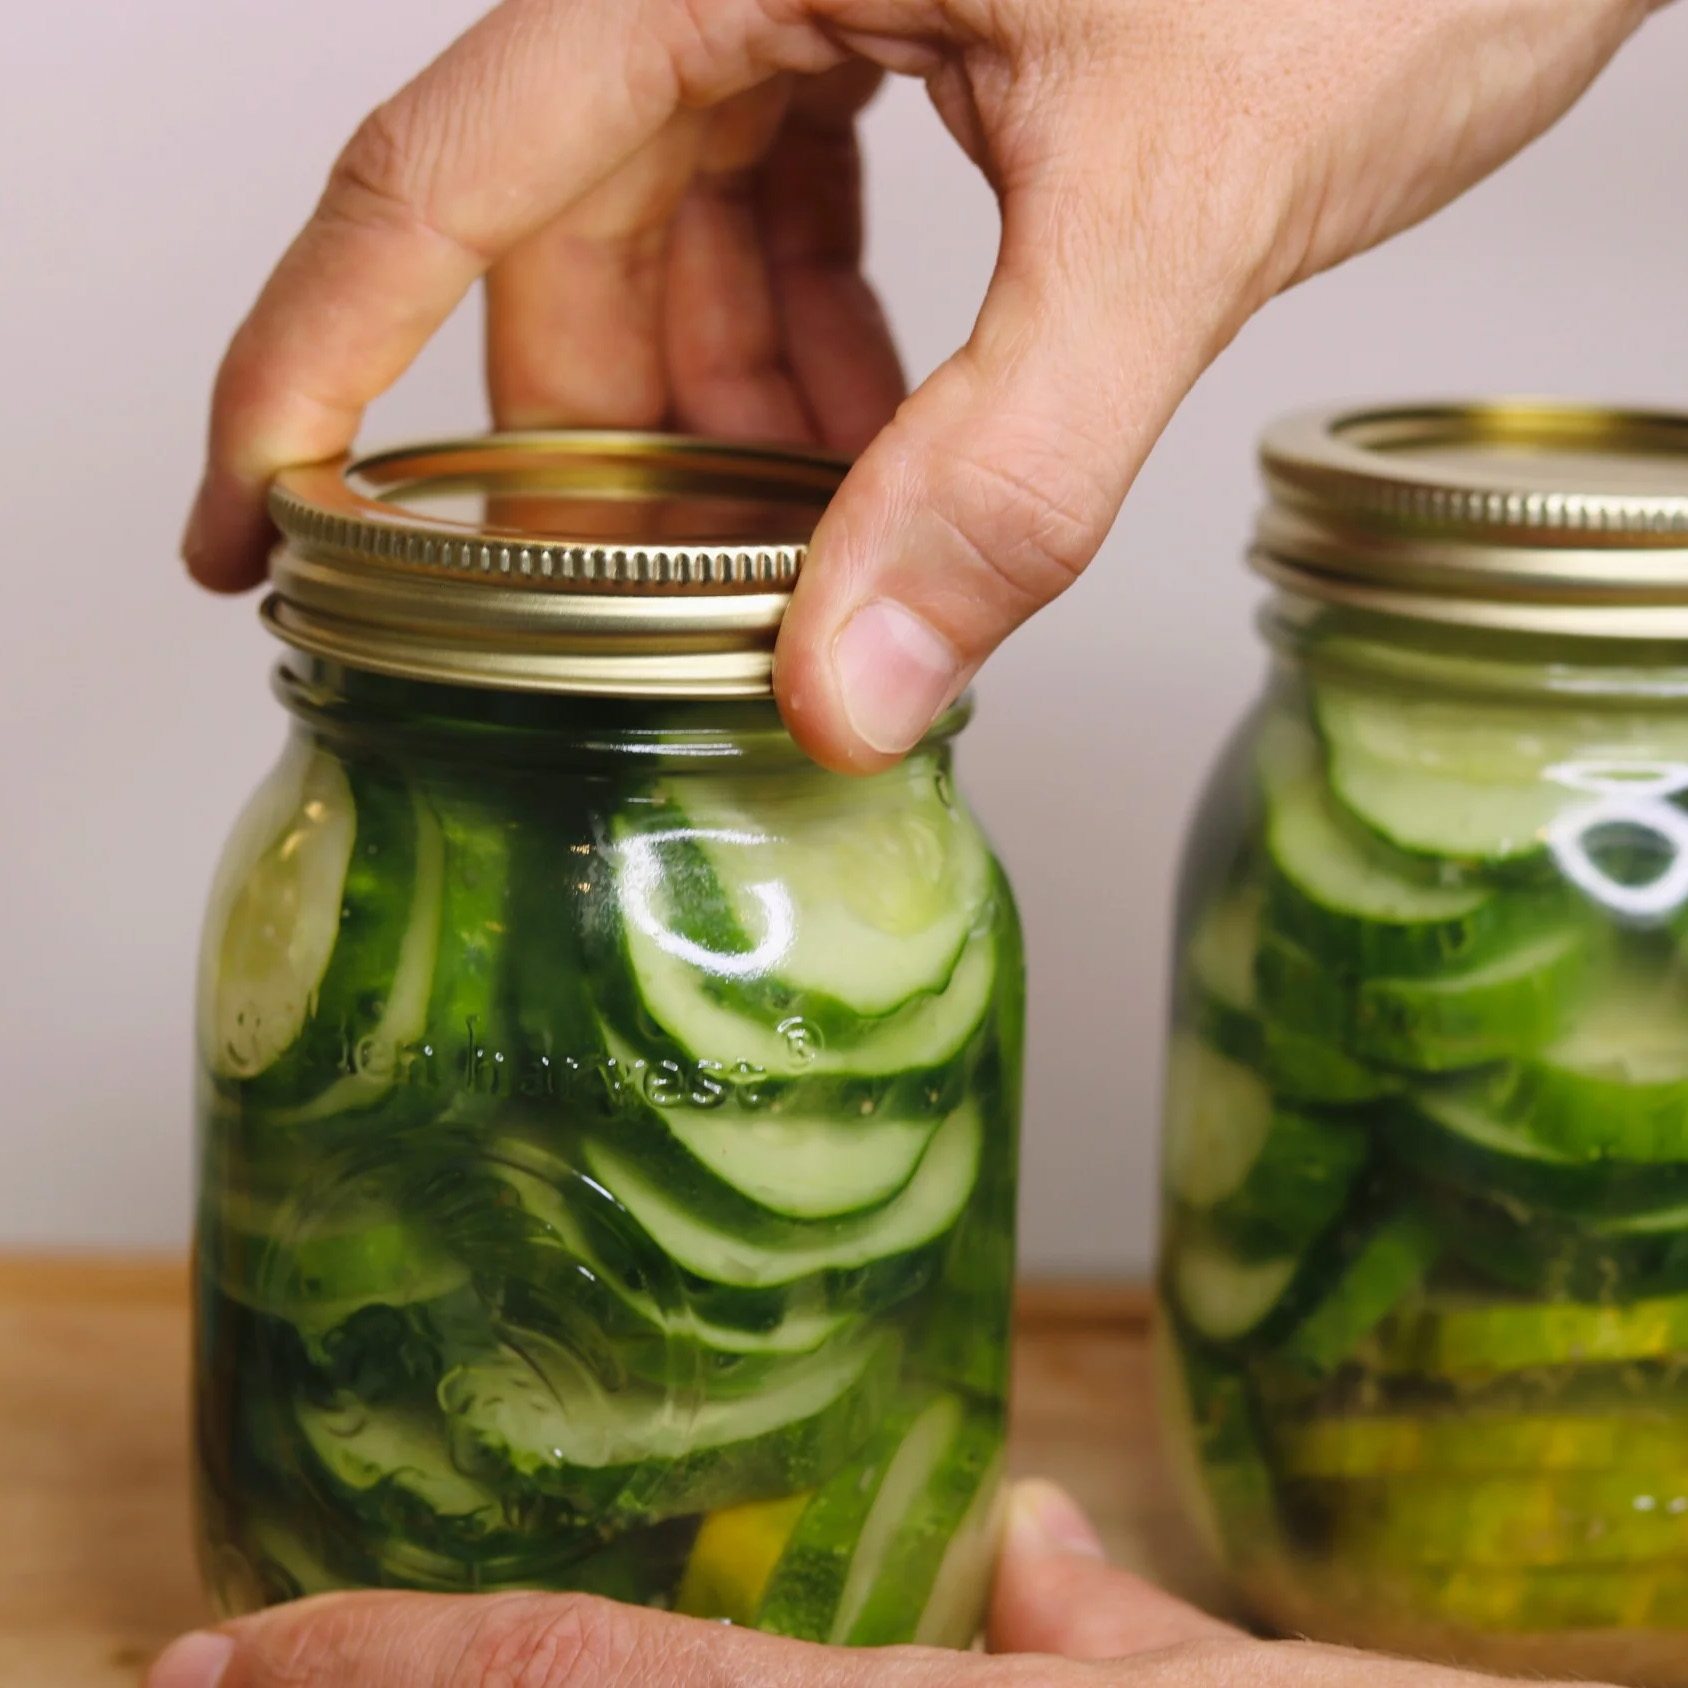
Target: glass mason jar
607	1118
1425	1263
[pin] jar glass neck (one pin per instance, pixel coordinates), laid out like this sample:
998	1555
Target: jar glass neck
424	718
1480	662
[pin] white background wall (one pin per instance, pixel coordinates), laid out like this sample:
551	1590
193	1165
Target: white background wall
154	155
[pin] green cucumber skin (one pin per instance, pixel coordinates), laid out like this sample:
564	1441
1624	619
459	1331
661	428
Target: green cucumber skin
778	1462
466	1010
1385	1270
1371	949
802	1594
1417	1024
1297	1188
1597	1118
1218	1431
1310	855
1301	1070
894	1608
1518	1162
704	914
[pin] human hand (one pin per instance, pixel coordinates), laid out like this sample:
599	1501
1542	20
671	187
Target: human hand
1061	1617
663	197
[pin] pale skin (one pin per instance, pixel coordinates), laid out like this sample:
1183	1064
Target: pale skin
662	198
1061	1617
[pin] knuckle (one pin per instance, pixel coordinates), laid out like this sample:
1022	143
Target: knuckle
1025	510
533	1641
385	178
377	167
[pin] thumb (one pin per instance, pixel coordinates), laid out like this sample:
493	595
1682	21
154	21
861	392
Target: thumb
1055	1593
997	480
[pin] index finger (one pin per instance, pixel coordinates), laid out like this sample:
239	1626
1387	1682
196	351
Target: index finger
516	119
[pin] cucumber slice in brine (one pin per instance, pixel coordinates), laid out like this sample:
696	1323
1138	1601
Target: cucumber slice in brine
275	913
1616	1084
1268	1179
1502	1523
394	1461
1344	898
806	893
318	1257
930	1576
538	1411
1225	1297
1300	1068
1471	1337
1482	1136
1382	1273
1482	1443
1512	1003
371	999
1478	782
925	1210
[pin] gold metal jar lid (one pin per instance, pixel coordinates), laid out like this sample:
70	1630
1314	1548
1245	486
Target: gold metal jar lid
618	564
1522	515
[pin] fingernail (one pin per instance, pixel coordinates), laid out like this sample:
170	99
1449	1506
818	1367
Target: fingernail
1045	1519
896	672
195	1661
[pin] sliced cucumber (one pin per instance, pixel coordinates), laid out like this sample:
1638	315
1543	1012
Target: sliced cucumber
1512	1004
316	1262
378	1456
1477	781
1630	1595
382	974
1502	1523
826	1571
1486	1443
1223	1296
475	923
1448	1336
804	1168
1299	1068
1616	1084
1219	1456
1386	1270
537	1410
838	899
928	1206
783	1157
275	914
1476	1136
927	1032
960	1588
931	1573
1267	1179
559	1247
1347	904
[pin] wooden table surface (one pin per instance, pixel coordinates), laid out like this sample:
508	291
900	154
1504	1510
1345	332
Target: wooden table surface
96	1565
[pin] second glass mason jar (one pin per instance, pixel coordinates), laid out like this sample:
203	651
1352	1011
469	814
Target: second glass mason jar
607	1118
1425	1267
